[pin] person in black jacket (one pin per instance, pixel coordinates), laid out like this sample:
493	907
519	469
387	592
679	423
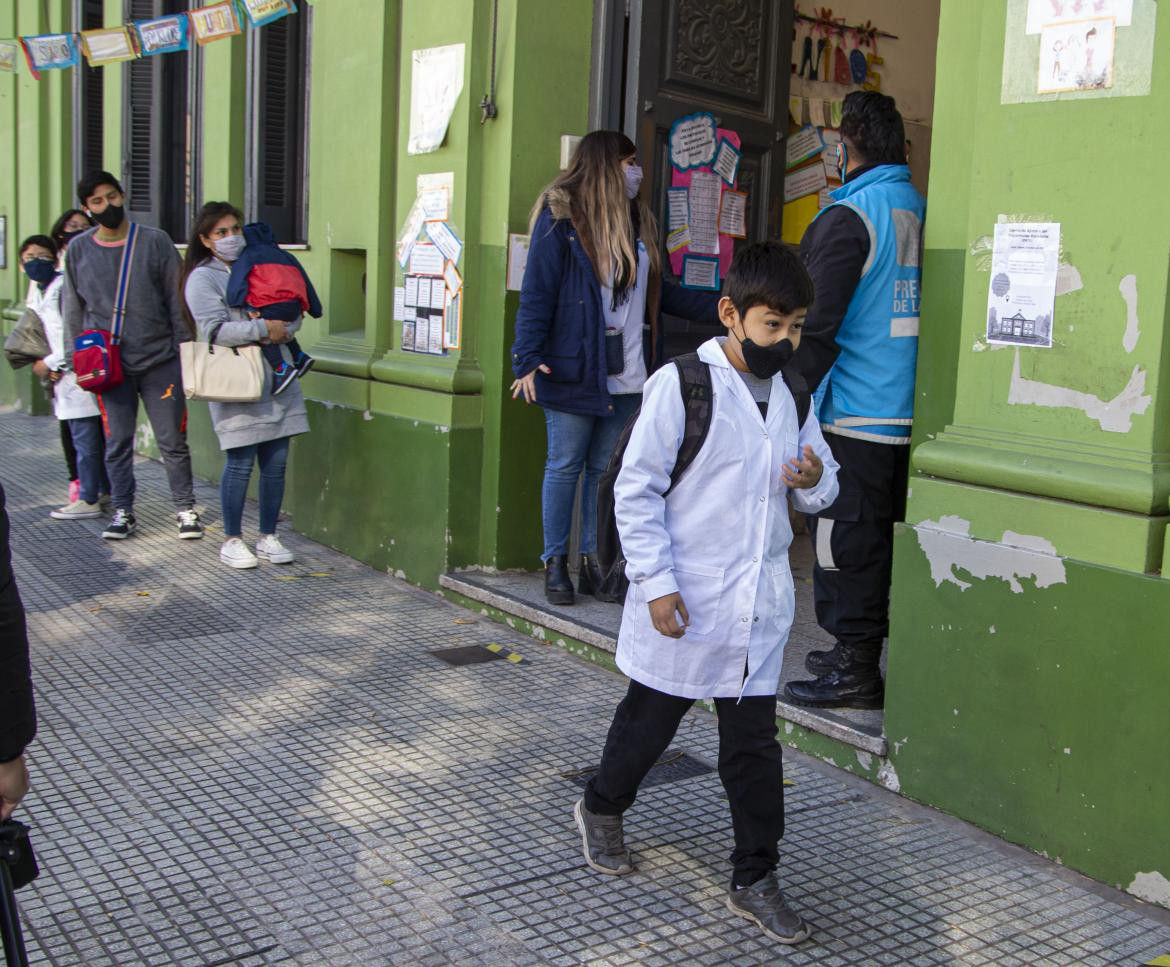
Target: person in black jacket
588	333
17	714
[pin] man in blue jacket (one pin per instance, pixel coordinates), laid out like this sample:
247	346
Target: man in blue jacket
859	351
18	721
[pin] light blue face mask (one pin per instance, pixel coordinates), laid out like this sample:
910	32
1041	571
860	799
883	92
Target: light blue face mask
842	160
228	248
633	176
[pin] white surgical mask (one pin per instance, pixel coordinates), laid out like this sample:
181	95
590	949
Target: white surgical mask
229	247
633	177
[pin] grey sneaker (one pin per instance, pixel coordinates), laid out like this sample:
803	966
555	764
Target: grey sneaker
764	905
76	510
602	842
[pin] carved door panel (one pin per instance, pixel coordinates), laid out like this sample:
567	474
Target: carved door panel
729	57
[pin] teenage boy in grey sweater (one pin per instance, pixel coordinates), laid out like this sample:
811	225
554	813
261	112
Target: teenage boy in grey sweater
152	329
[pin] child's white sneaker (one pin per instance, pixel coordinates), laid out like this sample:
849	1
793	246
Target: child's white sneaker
269	549
235	553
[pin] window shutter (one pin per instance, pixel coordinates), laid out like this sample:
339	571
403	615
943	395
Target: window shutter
280	126
89	127
141	128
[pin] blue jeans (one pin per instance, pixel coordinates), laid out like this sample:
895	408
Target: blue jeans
233	485
577	443
90	444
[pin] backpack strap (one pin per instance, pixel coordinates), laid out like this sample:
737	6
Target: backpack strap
123	284
800	395
694	382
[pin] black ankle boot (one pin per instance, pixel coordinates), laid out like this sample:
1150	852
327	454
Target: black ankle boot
855	683
589	578
820	662
558	588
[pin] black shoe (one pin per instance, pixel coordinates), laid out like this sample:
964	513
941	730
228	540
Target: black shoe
858	686
820	662
589	578
303	362
190	528
558	588
765	906
121	526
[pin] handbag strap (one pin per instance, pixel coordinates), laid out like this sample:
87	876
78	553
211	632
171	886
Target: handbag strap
123	284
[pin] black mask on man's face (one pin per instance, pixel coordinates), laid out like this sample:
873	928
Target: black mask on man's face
764	362
110	217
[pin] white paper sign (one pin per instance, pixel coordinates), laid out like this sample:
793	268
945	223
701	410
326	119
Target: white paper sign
727	162
1045	13
803	145
436	80
447	241
426	259
679	238
435	342
399	303
676	199
703	200
700	273
453	279
1025	258
806	181
816	112
438	293
733	214
692	141
411	290
517	261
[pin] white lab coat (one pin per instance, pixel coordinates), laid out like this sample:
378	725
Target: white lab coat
720	538
70	401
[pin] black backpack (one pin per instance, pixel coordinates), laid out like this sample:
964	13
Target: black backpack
694	380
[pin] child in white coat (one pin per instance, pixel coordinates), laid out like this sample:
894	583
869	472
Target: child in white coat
711	598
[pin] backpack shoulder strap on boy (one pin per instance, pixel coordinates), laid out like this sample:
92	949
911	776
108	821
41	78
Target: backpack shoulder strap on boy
800	395
694	382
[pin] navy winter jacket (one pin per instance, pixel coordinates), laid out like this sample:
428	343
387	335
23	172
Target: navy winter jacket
267	275
561	321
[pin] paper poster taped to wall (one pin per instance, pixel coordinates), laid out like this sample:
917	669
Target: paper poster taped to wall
692	141
1047	13
109	45
436	81
1076	56
1025	257
9	52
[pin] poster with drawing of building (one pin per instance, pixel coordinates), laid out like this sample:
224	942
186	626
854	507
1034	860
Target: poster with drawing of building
1022	293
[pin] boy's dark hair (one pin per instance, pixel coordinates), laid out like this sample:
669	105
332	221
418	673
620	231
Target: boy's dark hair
94	180
768	274
43	240
874	127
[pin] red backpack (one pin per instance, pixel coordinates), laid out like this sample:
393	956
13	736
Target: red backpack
97	359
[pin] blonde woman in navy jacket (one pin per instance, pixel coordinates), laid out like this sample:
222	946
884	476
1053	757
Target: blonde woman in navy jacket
588	332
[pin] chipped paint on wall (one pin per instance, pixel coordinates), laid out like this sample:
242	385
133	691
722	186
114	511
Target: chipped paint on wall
1128	289
1152	887
1115	415
948	544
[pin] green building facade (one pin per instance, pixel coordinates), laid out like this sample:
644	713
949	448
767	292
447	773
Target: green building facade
1030	640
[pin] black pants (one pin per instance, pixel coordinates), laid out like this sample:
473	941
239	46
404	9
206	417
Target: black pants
69	449
750	765
854	541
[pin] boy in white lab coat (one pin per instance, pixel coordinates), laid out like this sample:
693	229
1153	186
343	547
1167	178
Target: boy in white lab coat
711	599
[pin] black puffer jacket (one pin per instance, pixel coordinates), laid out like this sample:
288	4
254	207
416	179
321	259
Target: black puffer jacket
18	721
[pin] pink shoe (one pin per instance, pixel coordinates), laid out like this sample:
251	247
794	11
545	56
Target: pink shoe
74	490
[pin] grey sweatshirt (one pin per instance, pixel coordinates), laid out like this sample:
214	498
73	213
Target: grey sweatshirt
268	418
154	324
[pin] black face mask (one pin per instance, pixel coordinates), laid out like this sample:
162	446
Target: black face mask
68	237
110	217
41	271
766	361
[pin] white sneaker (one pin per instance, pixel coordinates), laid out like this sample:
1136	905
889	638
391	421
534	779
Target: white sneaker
270	549
235	553
77	510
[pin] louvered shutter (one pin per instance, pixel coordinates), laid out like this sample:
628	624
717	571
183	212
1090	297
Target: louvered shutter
280	126
89	128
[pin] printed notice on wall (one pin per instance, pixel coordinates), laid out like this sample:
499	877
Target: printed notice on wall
1025	257
692	141
436	80
703	201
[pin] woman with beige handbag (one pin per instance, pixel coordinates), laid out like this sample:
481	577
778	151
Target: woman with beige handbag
249	430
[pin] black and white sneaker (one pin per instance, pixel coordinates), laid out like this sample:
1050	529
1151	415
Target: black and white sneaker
765	906
121	526
189	527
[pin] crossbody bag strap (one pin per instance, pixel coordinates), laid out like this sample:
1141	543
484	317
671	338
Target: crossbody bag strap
123	284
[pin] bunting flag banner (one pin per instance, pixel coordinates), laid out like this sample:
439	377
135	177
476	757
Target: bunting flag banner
9	55
108	45
165	35
50	52
261	12
214	22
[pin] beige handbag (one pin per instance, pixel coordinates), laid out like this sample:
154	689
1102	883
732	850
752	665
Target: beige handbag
223	374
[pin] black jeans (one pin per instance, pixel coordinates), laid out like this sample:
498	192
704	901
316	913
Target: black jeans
854	541
750	766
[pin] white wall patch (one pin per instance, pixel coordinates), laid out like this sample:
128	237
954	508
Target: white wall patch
1116	415
1068	279
1152	887
948	544
1128	289
888	777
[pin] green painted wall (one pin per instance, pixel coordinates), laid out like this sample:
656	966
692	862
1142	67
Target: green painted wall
1028	658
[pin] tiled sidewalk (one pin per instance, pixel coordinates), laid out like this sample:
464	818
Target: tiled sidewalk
271	766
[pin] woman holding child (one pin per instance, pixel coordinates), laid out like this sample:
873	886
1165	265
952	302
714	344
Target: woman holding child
248	432
588	331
